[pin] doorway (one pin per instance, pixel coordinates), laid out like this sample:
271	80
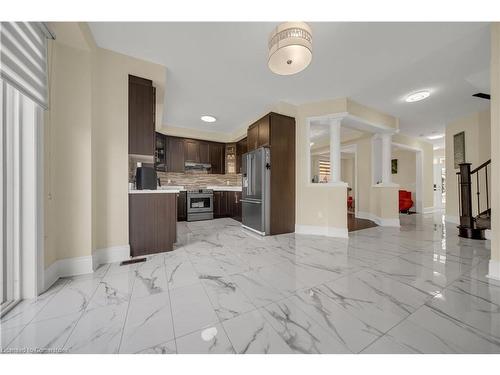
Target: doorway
439	184
407	172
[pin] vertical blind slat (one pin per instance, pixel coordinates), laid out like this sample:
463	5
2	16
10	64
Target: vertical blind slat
23	51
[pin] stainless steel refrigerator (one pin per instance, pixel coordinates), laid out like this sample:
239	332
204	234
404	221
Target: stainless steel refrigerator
256	193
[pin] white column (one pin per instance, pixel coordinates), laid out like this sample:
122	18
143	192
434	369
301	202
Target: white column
335	157
386	158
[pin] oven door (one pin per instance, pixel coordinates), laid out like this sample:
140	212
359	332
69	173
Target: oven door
200	203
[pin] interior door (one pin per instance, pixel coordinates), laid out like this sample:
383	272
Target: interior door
438	187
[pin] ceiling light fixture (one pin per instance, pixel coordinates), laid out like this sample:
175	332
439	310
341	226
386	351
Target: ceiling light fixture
290	48
417	96
207	118
437	136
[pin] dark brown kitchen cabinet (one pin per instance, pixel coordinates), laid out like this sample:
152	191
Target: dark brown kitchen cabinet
217	157
253	137
258	134
175	154
161	152
263	132
192	150
227	204
241	148
233	201
182	206
141	116
220	204
278	133
181	150
204	152
152	223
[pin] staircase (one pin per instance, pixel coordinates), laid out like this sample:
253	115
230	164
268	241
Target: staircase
474	200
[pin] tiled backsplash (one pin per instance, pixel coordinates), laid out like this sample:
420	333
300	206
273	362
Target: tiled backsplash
190	180
199	180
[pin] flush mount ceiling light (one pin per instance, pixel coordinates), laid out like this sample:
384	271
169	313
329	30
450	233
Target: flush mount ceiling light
207	118
417	96
436	136
290	48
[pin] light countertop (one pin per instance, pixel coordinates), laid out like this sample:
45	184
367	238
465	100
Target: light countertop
224	188
159	191
177	189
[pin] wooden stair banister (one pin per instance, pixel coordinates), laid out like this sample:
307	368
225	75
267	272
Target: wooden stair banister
469	227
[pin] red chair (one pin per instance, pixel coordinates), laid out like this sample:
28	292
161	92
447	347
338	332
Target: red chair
405	201
349	202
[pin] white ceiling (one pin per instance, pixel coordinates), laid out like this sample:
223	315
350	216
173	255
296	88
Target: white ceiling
221	69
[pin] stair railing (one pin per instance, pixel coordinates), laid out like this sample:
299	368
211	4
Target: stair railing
472	206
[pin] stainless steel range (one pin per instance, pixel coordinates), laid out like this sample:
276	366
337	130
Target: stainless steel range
200	204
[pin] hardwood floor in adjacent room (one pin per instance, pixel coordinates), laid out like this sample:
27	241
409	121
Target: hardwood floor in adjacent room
354	223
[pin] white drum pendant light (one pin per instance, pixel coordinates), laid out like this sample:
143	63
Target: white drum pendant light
290	48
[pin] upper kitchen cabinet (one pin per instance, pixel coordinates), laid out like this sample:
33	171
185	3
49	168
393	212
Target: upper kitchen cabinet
141	116
253	137
175	154
192	150
259	133
217	157
161	152
241	148
204	152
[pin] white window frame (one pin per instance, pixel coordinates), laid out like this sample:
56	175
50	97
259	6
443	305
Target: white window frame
21	192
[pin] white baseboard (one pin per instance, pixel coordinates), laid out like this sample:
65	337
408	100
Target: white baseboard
452	219
110	255
378	220
83	265
321	231
493	270
487	234
67	267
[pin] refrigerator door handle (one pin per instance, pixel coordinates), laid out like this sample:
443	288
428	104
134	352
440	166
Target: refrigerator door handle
250	201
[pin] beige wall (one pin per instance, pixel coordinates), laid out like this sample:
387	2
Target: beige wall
427	166
406	177
316	205
347	173
384	202
364	175
86	143
477	130
67	150
110	141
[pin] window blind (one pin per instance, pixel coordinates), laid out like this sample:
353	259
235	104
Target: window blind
23	58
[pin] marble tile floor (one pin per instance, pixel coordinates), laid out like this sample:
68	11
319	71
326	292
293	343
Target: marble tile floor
414	289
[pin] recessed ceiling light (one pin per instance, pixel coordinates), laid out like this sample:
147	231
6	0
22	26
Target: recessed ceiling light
417	96
437	136
207	118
